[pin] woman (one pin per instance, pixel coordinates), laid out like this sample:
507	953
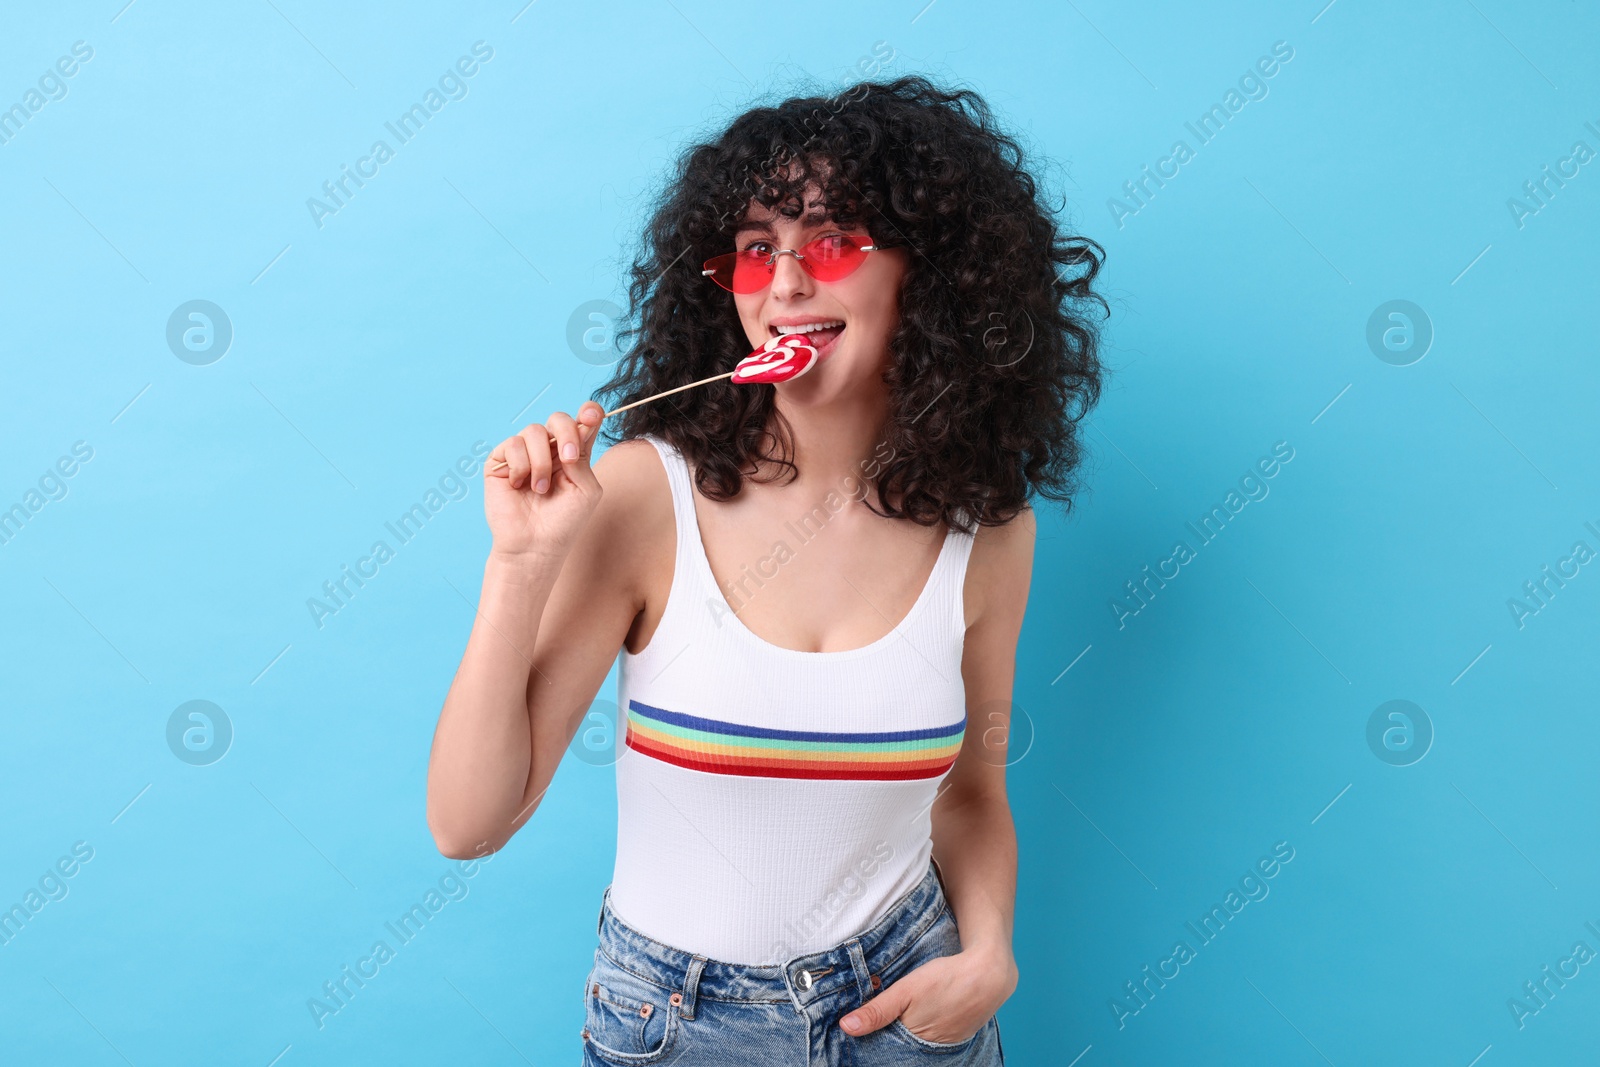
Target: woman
816	861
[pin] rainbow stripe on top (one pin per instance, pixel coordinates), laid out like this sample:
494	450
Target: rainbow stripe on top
730	748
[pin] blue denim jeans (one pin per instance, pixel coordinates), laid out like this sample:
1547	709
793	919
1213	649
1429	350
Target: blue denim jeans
650	1003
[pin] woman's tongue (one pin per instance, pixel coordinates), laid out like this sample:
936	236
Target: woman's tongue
820	339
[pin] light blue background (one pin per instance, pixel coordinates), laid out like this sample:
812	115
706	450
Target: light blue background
431	312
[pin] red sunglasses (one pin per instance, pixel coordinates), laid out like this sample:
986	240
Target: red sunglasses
827	259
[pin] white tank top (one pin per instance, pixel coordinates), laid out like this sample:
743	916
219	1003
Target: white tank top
773	802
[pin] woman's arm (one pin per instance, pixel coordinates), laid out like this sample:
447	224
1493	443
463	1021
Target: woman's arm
549	623
974	840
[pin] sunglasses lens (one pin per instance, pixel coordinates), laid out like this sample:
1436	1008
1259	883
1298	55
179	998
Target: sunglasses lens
740	272
751	273
831	258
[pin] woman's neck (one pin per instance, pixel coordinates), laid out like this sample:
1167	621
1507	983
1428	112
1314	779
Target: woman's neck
835	445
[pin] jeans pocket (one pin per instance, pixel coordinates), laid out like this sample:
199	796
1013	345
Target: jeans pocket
903	1032
941	938
627	1020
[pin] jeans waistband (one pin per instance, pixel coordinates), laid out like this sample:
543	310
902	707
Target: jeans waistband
855	963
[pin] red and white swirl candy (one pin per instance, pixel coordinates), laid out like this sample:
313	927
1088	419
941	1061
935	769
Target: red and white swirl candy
782	359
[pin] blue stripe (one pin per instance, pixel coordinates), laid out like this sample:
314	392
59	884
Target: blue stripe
696	722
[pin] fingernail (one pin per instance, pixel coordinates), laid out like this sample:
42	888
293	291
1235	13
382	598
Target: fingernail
569	451
544	483
852	1023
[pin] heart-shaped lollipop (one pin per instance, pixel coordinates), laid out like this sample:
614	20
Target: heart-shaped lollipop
782	359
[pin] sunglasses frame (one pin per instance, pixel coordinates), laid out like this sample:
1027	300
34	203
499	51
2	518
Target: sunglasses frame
772	260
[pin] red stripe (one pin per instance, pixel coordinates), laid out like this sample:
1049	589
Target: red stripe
931	766
794	768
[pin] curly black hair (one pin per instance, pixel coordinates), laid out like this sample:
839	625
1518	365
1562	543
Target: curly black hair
995	358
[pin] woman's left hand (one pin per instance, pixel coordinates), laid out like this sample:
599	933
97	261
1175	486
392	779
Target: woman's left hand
947	999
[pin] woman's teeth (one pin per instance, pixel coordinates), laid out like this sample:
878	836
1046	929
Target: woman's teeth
810	327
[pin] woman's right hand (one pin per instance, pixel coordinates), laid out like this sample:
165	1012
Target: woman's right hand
525	520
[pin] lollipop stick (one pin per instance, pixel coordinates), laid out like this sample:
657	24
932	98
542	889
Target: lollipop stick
500	463
669	392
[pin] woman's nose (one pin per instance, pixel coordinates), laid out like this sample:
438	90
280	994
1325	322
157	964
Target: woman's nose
789	278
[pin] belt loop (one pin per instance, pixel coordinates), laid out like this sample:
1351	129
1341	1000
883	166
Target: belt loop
691	986
937	873
858	963
601	918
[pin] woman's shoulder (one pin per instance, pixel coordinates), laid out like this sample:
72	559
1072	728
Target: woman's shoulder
1000	567
1010	538
633	476
632	526
628	457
